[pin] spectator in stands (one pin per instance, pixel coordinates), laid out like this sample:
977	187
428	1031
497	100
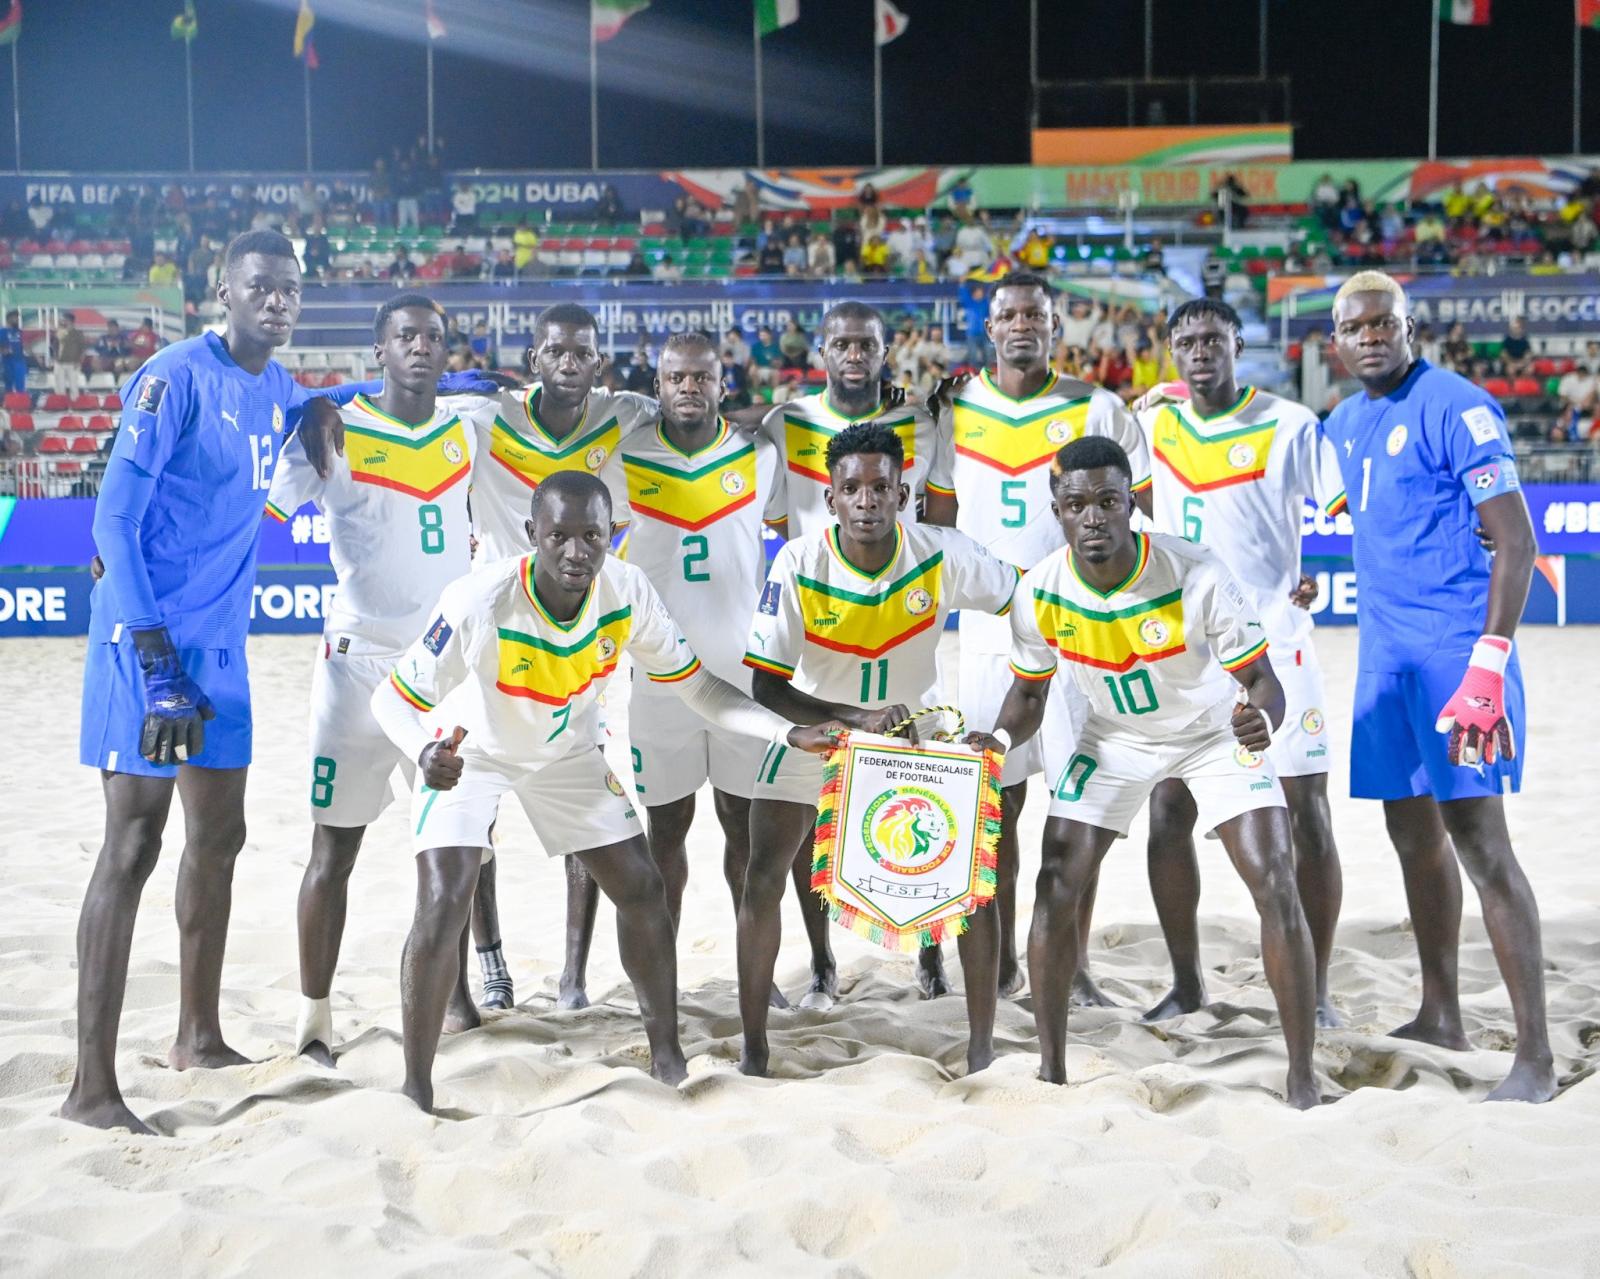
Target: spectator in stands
435	190
974	300
1325	201
1457	349
875	256
197	272
1213	275
765	357
1516	352
961	199
686	219
307	203
318	254
10	445
666	269
819	256
867	198
40	215
69	347
503	270
1035	251
640	374
794	347
796	260
143	342
380	193
922	269
769	261
525	248
747	204
1155	260
1233	201
1114	371
974	249
1078	322
458	264
481	345
341	210
14	353
407	191
870	221
401	268
608	209
110	349
637	268
1580	389
846	236
1583	232
1426	345
735	350
163	270
464	209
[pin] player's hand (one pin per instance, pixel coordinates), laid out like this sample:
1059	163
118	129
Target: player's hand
945	391
1162	393
321	432
97	568
894	397
881	721
476	382
1251	728
1305	592
984	742
175	710
817	739
1475	716
1485	540
441	762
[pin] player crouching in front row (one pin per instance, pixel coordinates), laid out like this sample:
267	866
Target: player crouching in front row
517	659
1151	627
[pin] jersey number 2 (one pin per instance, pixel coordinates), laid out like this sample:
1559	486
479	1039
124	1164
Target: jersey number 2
696	551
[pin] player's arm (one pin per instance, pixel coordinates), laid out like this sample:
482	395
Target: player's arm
1240	644
294	482
975	578
1262	709
1033	665
158	409
1124	428
939	502
429	669
1477	450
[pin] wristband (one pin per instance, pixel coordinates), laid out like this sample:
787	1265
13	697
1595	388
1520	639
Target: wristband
1004	738
1491	653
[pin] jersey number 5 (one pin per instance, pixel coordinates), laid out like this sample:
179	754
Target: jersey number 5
1011	497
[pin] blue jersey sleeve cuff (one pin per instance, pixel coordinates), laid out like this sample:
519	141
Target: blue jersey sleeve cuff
1492	478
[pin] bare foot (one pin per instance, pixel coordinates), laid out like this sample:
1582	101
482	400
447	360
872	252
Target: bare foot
979	1058
671	1070
1085	994
1012	978
1532	1081
1438	1031
421	1093
1176	1003
109	1112
212	1056
570	994
822	992
931	979
775	998
461	1015
1302	1094
1328	1017
753	1060
1053	1074
319	1052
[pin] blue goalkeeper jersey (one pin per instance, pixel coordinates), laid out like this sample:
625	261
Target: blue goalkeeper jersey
180	508
1415	464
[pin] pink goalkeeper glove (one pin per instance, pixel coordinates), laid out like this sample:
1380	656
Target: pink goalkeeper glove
1475	716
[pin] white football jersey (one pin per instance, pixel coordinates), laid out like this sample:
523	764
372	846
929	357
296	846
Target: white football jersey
522	684
871	639
519	452
1003	450
396	504
1238	483
695	526
1152	654
801	430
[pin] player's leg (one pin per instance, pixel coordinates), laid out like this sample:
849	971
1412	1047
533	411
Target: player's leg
320	915
136	814
778	828
497	987
583	901
668	827
1175	885
824	988
979	948
628	876
1010	974
430	965
1318	876
671	751
1257	842
1069	858
213	819
1511	916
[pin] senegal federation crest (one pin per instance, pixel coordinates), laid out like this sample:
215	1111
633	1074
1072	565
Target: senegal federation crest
1154	632
595	458
909	831
1397	441
612	784
277	419
918	601
1246	758
1241	456
452	453
732	483
1311	721
605	648
1059	431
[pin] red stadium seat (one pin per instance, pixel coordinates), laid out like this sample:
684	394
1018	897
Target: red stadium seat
85	402
1544	366
55	402
17	400
21	421
68	468
1527	388
53	444
113	401
71	422
86	444
1497	387
101	422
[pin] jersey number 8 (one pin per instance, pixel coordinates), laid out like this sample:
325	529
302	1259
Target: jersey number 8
432	520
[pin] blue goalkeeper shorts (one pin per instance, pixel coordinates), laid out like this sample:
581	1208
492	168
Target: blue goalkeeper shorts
113	709
1395	751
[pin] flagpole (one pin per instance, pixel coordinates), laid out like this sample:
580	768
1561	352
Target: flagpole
430	93
188	95
761	123
594	96
16	107
1577	89
1033	64
1433	86
306	67
1262	59
877	94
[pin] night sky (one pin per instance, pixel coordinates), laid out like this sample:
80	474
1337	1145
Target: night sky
107	92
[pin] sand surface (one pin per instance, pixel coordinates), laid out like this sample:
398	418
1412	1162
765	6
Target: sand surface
869	1154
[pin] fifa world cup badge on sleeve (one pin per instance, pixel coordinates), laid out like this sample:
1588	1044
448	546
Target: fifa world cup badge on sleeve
438	635
151	391
906	840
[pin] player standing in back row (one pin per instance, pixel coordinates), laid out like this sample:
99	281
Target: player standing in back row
1439	723
1234	466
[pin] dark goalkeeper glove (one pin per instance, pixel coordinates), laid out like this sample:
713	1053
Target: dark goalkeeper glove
175	710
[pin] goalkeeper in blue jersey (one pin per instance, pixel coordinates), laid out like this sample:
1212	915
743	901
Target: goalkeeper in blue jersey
1438	729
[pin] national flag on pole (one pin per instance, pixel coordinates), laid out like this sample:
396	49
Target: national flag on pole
1589	13
1465	13
891	22
771	15
185	26
313	63
11	24
430	19
303	23
607	16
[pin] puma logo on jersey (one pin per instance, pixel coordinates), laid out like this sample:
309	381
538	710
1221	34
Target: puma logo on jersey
825	619
232	419
136	432
522	664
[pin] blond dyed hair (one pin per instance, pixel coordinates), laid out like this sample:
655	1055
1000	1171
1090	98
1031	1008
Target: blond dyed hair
1372	282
